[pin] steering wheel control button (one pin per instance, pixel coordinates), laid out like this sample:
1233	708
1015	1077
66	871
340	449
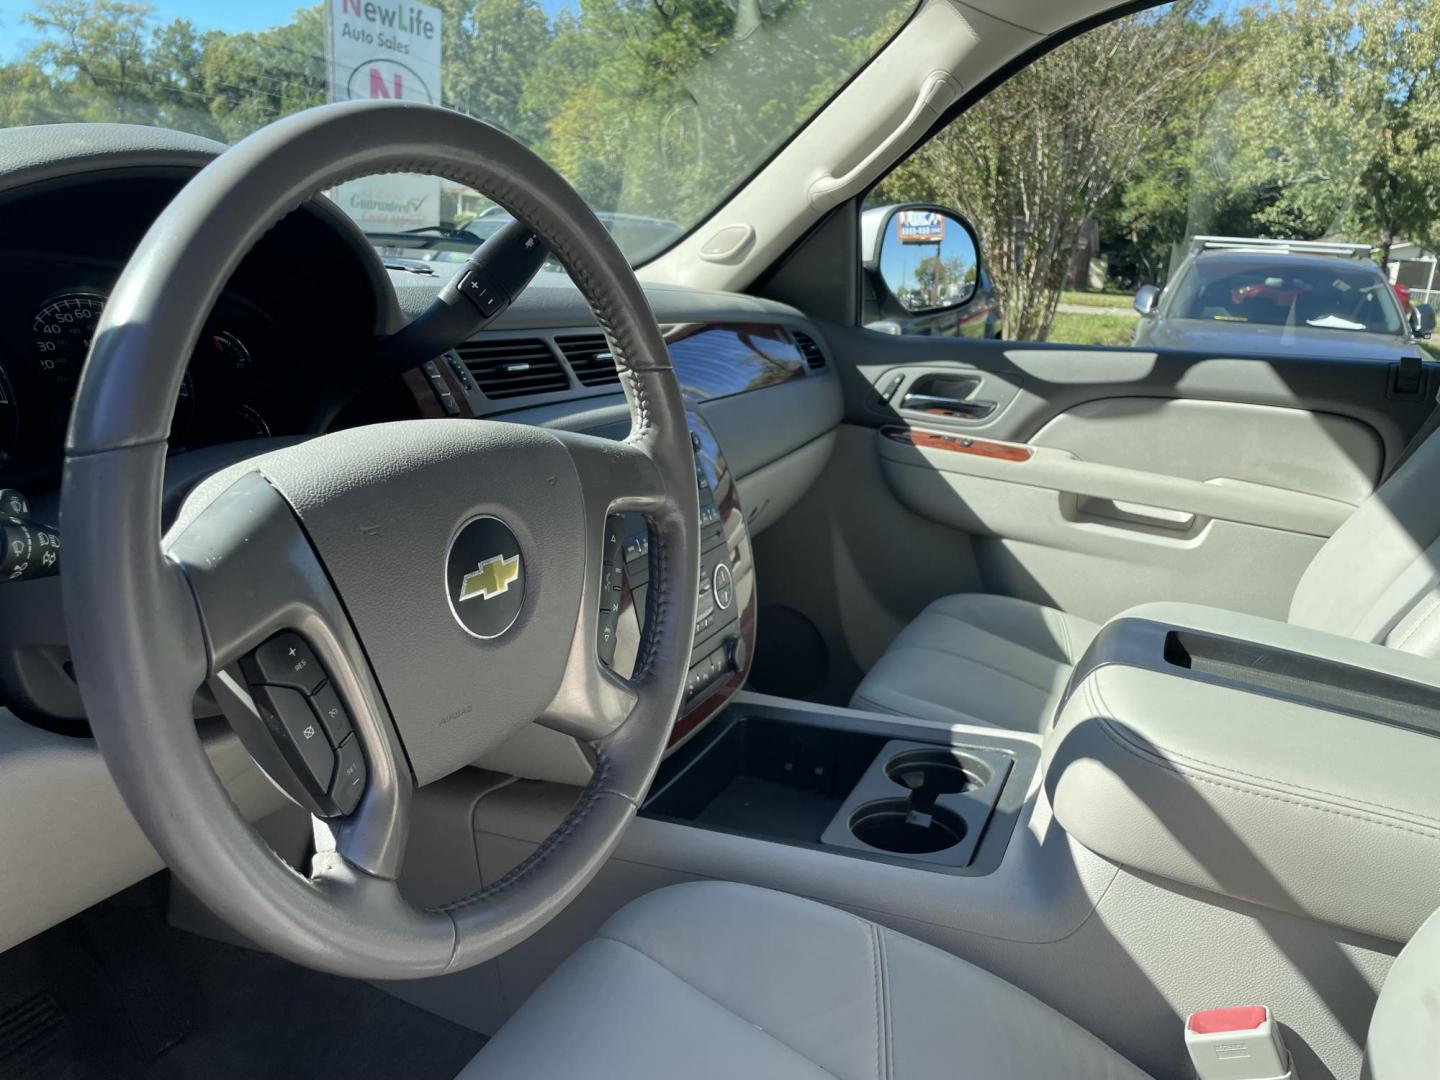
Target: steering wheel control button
285	660
485	577
349	776
477	287
614	577
300	735
331	711
723	585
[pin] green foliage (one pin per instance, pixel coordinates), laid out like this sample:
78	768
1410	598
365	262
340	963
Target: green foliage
646	106
1087	329
1352	145
1031	162
1295	118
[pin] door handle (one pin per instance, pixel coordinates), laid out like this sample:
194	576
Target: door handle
938	404
1124	512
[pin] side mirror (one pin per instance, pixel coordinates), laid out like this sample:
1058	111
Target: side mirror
1422	320
926	258
1147	299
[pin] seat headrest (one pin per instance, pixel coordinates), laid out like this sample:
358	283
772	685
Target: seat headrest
1404	1039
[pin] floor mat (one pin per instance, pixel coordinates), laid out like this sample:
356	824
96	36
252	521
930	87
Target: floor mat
116	993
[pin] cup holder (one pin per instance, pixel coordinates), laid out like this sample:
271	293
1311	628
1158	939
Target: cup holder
896	826
922	803
930	773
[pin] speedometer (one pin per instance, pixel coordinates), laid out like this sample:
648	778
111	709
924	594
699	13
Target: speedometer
60	337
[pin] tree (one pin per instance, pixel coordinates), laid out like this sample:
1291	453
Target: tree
1353	144
1031	162
100	49
490	46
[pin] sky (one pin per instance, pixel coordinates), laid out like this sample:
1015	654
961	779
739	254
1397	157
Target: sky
206	14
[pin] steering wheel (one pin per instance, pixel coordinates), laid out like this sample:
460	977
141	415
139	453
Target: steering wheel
371	546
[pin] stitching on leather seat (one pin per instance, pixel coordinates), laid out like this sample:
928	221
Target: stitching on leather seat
1262	781
1115	733
713	1000
1046	690
887	1062
1420	621
952	715
870	936
1062	626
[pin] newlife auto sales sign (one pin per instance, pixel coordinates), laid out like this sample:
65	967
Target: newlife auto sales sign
385	49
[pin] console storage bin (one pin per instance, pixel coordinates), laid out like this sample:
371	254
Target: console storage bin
1261	761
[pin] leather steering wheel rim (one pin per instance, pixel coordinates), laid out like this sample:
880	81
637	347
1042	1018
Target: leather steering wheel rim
273	544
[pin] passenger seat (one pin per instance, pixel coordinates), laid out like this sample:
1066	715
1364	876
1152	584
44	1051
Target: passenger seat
982	659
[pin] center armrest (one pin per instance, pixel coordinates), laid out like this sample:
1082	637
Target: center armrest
1265	762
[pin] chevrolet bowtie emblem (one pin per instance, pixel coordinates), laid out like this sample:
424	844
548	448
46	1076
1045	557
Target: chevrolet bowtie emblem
493	577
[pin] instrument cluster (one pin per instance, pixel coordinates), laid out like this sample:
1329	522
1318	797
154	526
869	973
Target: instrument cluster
234	388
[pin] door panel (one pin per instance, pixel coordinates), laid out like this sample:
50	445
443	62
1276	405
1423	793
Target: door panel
1146	475
1221	441
1035	536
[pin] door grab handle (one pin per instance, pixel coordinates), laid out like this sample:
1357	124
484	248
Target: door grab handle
939	405
936	95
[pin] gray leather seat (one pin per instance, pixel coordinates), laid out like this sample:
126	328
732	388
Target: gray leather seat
1001	661
979	659
714	979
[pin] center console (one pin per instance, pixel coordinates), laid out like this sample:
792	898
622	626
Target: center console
886	791
1258	760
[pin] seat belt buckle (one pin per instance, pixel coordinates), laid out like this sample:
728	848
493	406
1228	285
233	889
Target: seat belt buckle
1240	1043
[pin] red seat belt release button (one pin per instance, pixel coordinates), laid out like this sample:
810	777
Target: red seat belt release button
1238	1043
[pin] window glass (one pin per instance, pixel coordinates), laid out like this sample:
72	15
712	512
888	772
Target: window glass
654	109
1227	176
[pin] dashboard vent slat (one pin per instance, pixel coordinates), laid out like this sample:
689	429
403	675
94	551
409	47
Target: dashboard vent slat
810	349
513	367
589	358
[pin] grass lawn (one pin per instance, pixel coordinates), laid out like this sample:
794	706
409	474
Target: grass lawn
1097	299
1092	329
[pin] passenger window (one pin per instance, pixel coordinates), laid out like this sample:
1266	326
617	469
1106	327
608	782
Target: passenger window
1238	177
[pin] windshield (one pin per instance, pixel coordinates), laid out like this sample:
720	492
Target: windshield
654	109
1324	294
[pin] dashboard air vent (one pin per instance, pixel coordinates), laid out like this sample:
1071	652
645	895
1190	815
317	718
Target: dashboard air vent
814	358
590	359
513	367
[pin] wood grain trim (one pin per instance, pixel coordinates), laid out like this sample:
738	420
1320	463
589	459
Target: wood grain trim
957	444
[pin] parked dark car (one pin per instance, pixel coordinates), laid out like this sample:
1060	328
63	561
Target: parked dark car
1265	296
